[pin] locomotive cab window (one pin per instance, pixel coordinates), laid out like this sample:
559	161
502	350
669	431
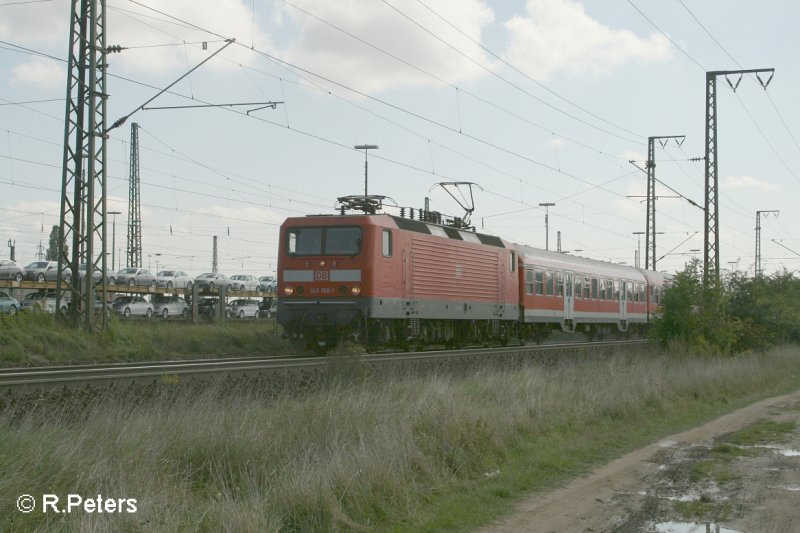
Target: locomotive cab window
512	259
386	241
337	240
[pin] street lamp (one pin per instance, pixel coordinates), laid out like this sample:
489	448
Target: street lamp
547	206
366	148
114	238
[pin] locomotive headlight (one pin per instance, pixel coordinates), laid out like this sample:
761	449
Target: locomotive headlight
356	290
288	291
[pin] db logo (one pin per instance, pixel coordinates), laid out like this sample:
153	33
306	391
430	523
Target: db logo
321	275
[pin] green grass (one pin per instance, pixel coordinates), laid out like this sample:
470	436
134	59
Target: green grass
37	339
761	432
364	453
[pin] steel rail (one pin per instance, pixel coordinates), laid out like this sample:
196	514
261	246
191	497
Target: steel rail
48	377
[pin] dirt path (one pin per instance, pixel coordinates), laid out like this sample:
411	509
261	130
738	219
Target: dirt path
700	480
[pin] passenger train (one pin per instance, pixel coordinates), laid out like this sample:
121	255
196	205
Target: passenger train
386	280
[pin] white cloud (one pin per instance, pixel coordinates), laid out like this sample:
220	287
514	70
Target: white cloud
146	32
41	73
748	182
137	27
559	35
325	50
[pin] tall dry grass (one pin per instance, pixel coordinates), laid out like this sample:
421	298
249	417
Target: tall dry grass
357	455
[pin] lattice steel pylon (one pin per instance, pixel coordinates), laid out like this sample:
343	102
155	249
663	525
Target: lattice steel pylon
83	181
766	213
134	204
650	233
711	225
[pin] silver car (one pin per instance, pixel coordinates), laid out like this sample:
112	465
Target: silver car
8	304
174	279
242	309
128	306
39	270
244	282
97	275
165	306
10	270
37	302
46	271
267	284
136	277
212	281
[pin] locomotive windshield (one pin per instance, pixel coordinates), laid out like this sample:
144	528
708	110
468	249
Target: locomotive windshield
335	240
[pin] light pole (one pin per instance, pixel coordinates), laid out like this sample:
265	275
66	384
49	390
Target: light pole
114	238
547	206
366	148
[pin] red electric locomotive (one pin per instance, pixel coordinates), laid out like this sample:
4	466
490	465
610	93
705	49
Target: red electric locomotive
384	279
389	280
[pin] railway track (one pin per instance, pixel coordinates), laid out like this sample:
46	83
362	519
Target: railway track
54	377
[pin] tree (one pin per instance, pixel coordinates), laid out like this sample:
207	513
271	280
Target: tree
52	247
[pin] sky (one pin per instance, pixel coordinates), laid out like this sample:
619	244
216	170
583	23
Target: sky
537	101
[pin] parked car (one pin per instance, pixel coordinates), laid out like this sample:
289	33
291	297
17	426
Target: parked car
268	307
207	307
242	308
46	271
174	279
98	275
37	302
134	277
173	305
128	306
8	304
244	282
267	284
11	270
98	304
211	280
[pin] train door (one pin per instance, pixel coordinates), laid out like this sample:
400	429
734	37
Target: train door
569	296
623	302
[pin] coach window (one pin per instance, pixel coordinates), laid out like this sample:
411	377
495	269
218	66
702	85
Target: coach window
601	289
559	284
616	290
539	282
609	290
594	288
549	283
528	281
387	243
587	294
578	291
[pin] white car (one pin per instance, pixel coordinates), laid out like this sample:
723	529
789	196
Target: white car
165	306
174	279
242	309
37	302
128	306
244	282
267	284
